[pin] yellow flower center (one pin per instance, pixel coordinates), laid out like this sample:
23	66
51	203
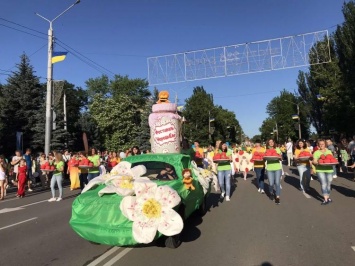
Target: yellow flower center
126	184
152	208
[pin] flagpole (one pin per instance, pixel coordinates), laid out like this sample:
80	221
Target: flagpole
48	127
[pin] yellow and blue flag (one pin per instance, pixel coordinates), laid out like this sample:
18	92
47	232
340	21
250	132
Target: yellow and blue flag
295	117
58	56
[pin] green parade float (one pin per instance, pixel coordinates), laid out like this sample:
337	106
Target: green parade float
148	196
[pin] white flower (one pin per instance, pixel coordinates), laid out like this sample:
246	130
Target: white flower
122	185
151	210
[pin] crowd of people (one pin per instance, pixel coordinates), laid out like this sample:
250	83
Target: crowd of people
26	171
272	169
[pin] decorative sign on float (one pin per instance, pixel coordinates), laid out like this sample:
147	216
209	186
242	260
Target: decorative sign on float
165	125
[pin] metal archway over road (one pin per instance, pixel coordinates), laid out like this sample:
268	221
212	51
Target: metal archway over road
239	59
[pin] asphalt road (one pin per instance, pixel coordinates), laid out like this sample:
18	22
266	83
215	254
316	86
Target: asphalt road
248	230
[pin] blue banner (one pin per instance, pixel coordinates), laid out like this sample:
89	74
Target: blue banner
19	141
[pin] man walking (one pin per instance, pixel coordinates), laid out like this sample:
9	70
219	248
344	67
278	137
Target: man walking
28	159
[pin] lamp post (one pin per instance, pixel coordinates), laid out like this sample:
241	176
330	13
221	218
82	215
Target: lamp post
299	118
48	128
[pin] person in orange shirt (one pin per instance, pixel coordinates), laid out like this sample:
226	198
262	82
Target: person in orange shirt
198	154
304	167
114	160
259	166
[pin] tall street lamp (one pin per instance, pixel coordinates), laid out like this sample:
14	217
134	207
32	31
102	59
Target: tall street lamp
48	129
299	118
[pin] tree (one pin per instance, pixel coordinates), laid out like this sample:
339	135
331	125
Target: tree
281	109
115	118
20	100
197	111
136	89
143	138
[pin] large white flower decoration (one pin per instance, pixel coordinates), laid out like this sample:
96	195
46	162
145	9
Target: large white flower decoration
119	180
151	210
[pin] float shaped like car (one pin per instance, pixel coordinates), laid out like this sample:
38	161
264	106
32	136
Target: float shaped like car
100	219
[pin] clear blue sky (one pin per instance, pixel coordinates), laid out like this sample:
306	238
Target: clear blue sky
120	35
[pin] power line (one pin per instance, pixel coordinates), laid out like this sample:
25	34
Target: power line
23	31
23	26
85	61
86	57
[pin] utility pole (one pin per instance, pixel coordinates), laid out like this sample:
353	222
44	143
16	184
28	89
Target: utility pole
48	127
299	122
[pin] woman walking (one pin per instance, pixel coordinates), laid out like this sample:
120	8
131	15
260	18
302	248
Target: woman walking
73	172
274	171
303	167
21	177
224	171
259	167
2	177
57	177
324	172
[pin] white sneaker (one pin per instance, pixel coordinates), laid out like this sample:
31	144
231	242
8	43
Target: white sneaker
228	198
335	176
262	191
52	199
29	190
222	195
59	199
259	190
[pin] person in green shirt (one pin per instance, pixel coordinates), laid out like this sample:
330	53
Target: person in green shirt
274	171
57	177
95	159
186	149
324	172
224	171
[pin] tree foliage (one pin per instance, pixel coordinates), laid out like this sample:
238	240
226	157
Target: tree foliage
115	119
20	99
201	113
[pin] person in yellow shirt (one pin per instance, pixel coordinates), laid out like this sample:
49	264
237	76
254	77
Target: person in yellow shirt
303	167
198	154
259	166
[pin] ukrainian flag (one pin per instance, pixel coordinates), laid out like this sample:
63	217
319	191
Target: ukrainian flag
295	117
58	56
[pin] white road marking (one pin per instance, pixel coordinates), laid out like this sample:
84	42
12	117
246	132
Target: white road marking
104	256
10	209
34	203
118	257
353	247
2	228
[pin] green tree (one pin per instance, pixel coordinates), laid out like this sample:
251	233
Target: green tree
20	100
267	129
197	111
281	109
143	138
115	118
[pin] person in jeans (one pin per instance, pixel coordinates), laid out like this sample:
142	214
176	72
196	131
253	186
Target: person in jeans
303	167
274	171
259	167
28	158
57	177
324	172
95	159
224	171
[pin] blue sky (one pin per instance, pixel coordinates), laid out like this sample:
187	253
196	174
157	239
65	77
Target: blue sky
120	35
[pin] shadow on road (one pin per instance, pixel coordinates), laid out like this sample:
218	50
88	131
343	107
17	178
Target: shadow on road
345	191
